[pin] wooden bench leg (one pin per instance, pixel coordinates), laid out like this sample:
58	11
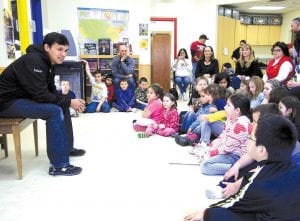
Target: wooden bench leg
36	141
17	142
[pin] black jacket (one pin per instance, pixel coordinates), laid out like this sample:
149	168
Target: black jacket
31	76
252	70
274	194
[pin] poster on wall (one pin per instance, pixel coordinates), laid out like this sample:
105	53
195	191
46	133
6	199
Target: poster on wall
9	35
97	23
143	29
144	43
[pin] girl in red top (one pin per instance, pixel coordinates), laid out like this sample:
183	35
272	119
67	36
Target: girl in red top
281	67
169	122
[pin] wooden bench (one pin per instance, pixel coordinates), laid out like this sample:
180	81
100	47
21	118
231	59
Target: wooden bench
14	126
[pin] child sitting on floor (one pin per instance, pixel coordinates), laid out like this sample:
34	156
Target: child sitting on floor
188	117
270	191
110	88
256	86
231	144
141	94
125	99
99	92
168	125
153	111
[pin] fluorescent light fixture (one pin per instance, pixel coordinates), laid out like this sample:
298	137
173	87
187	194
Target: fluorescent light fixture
268	8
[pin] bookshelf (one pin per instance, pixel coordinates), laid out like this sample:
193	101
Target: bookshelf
103	63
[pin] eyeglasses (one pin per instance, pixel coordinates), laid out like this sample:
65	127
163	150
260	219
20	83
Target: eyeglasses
276	50
250	138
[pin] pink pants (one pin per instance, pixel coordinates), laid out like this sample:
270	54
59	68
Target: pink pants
166	132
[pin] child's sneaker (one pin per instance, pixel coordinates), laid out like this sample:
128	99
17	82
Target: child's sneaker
142	135
65	171
195	150
214	192
182	141
203	144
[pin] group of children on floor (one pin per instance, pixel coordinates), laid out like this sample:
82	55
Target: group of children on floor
219	126
105	95
218	122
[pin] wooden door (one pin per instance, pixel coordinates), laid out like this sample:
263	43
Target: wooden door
161	59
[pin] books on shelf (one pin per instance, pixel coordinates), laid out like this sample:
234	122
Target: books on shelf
93	64
90	48
104	46
105	64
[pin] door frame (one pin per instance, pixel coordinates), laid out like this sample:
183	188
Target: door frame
174	20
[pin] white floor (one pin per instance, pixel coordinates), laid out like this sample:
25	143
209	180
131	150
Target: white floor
123	178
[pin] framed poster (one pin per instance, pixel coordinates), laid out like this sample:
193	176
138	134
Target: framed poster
228	12
221	10
104	46
246	19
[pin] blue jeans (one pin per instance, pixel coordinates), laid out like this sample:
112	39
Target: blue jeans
296	154
59	130
91	107
140	106
206	129
188	119
219	164
183	83
194	67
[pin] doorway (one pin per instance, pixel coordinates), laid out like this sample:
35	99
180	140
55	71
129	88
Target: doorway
161	59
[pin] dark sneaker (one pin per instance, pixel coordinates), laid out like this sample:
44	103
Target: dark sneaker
77	152
65	171
182	141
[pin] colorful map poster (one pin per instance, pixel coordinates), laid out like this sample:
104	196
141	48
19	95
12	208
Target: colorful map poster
96	23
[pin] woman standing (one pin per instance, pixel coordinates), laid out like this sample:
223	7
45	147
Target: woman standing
247	66
207	66
281	67
183	70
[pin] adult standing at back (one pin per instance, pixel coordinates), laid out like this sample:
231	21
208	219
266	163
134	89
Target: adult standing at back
236	54
295	25
247	66
123	67
197	48
27	90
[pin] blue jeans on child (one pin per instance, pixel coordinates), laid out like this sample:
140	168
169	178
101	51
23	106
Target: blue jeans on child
219	164
59	131
188	119
91	107
183	83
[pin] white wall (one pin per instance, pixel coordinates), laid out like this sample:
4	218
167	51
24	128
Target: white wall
194	18
67	19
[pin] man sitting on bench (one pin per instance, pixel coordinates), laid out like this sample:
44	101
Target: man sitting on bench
27	90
